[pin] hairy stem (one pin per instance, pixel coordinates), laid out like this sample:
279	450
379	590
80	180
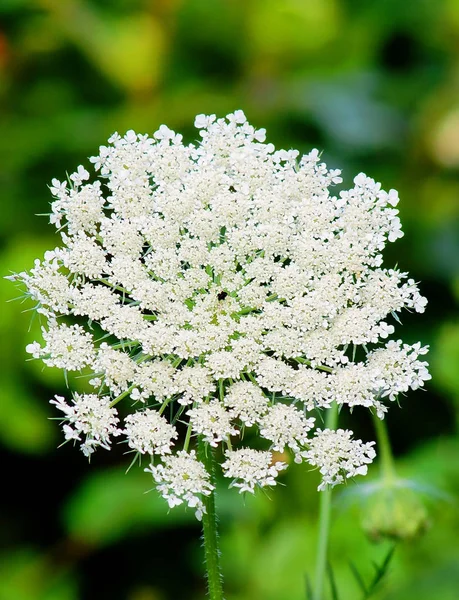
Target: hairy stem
331	422
209	528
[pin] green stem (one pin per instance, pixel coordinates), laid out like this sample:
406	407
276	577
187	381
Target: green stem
386	458
331	422
209	528
121	396
186	443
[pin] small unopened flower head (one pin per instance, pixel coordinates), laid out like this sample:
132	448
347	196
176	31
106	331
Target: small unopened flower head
182	478
149	433
250	468
394	511
338	456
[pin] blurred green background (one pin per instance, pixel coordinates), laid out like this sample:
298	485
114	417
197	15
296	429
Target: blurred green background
372	83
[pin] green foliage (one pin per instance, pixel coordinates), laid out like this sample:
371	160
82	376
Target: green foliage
370	588
27	573
112	504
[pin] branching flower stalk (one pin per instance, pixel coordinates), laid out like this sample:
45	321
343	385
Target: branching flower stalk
222	285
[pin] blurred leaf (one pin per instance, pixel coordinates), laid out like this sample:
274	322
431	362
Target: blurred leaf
333	586
112	504
24	424
381	572
127	49
349	112
445	360
359	579
26	575
277	29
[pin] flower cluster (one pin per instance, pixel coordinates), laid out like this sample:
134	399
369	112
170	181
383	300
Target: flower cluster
250	468
182	478
338	456
91	416
232	287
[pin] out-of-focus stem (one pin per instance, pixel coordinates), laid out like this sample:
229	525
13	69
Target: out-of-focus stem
386	458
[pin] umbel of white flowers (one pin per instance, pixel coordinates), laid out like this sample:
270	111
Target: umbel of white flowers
229	285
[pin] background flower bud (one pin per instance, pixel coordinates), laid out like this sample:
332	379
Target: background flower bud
394	512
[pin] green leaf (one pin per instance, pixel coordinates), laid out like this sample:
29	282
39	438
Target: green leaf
358	578
331	578
381	571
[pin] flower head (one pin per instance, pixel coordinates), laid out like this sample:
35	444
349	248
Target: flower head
285	425
90	416
212	421
148	432
251	468
338	456
182	478
229	284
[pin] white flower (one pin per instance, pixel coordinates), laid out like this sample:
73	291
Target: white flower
203	121
89	416
34	349
67	347
48	286
397	369
285	425
79	176
182	478
148	432
227	283
58	188
84	255
338	456
153	378
251	468
117	368
246	401
194	383
212	421
94	301
99	160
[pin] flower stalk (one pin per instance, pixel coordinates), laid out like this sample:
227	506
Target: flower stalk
331	422
209	528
